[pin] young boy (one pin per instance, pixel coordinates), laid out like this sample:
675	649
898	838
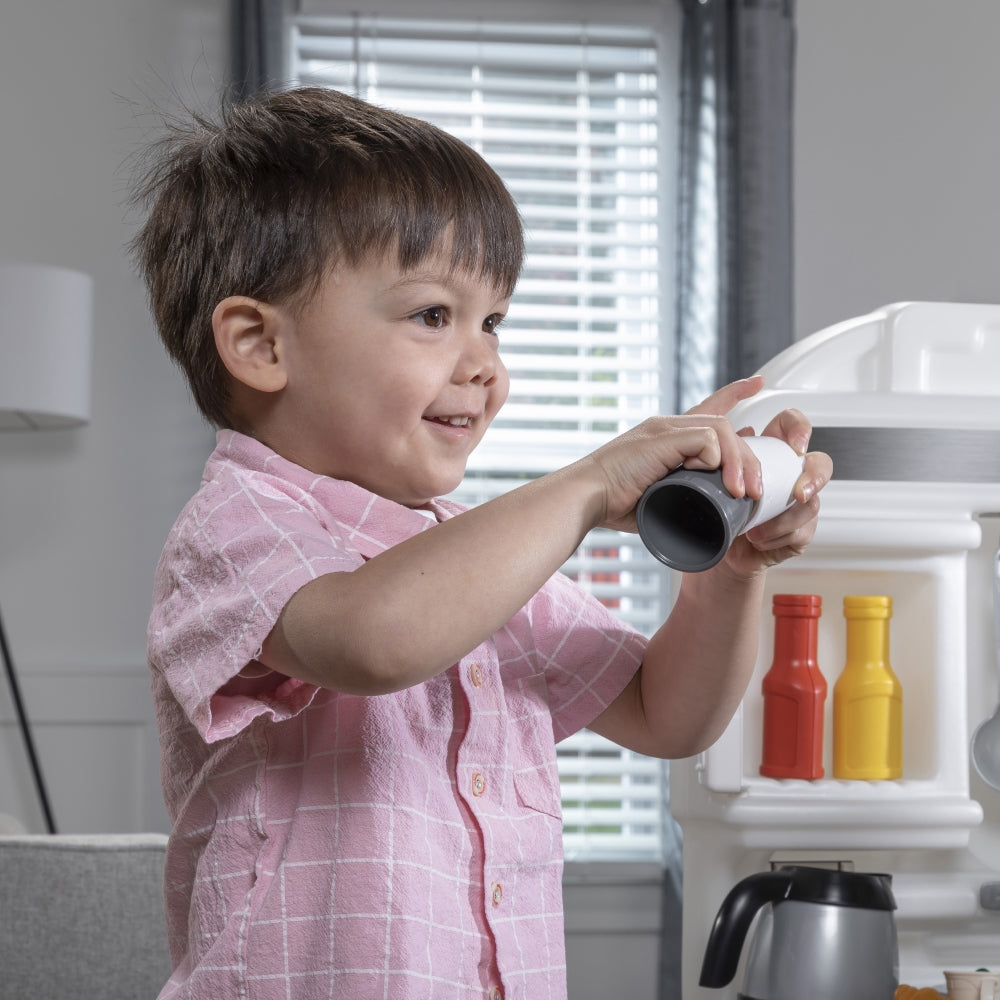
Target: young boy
360	686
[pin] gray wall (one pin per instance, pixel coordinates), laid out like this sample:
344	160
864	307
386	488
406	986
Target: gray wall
83	513
897	145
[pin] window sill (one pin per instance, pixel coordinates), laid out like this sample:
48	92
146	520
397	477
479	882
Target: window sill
599	873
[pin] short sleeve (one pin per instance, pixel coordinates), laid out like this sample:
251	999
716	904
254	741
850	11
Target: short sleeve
588	654
237	554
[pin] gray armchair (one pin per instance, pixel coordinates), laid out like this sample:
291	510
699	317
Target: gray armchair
82	917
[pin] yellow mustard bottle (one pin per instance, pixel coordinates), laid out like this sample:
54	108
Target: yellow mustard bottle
867	698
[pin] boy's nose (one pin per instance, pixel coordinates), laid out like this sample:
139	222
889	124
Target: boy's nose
479	361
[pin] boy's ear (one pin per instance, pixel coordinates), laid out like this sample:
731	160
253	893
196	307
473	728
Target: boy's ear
246	337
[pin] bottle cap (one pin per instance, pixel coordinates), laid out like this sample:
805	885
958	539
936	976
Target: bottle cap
868	606
798	605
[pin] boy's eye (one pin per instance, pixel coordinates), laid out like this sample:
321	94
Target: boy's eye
491	323
433	317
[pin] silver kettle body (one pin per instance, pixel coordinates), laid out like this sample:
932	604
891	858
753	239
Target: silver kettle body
822	934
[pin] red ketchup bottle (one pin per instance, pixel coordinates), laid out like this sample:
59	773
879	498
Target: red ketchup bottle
794	691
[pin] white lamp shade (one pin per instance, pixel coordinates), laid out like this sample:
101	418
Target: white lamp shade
46	332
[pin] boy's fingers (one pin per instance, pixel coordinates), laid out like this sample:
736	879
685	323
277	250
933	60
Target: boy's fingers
793	426
817	471
723	400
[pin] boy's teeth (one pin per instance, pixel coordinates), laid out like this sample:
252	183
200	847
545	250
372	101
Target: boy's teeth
454	421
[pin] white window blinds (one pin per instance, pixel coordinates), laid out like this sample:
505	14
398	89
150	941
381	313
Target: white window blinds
569	116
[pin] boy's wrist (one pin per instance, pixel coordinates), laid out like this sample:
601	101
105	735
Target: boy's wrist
587	481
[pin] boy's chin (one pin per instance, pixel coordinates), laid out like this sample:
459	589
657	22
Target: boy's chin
421	498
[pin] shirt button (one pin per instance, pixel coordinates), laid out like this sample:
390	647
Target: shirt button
476	675
497	893
496	993
478	784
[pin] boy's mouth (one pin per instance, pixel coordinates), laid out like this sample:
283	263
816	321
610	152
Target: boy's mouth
452	421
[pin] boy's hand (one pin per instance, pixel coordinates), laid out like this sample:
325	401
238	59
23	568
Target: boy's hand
789	533
700	439
704	439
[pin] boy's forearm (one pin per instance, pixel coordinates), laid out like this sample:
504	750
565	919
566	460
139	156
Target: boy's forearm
415	609
695	669
704	659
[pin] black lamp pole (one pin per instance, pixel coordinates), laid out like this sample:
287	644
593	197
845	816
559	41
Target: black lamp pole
29	743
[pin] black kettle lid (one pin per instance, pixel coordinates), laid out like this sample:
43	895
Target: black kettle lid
864	890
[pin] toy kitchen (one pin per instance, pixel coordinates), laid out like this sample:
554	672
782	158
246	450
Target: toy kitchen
907	401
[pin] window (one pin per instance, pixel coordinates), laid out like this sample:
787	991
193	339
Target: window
572	115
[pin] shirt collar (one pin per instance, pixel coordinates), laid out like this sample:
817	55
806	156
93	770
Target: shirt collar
370	522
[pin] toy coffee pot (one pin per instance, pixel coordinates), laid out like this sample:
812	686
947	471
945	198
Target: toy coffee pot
823	935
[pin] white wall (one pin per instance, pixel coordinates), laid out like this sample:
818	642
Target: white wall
897	148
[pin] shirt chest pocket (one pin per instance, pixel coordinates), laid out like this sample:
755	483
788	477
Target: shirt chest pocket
538	791
536	777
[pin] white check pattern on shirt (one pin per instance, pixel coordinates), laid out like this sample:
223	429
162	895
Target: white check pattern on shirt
326	845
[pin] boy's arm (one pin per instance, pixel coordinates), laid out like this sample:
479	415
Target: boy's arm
414	610
695	669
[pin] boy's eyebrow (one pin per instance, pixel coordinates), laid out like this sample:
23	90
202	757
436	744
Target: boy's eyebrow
421	278
415	278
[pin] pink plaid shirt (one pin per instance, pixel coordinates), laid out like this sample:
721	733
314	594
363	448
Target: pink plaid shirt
327	845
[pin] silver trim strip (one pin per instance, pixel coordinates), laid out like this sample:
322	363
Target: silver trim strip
910	454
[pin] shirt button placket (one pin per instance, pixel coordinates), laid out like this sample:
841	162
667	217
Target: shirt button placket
477	785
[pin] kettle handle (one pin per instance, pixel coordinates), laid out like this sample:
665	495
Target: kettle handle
722	954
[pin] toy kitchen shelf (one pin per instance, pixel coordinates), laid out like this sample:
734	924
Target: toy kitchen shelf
906	401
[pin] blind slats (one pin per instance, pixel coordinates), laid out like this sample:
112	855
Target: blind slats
590	359
523	89
522	92
469	30
334	30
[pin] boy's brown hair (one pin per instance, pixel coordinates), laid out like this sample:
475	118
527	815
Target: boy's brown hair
284	185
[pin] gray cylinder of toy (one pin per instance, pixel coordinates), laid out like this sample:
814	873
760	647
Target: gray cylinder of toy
689	519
